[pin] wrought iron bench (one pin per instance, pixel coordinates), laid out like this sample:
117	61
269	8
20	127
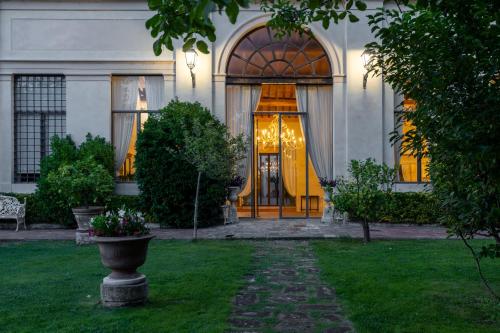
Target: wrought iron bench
11	208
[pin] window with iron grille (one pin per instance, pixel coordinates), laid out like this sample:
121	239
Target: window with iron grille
39	114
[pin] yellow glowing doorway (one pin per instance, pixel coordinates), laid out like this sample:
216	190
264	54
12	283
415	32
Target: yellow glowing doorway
283	183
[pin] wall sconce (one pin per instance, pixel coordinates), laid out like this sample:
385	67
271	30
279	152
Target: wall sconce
191	63
365	57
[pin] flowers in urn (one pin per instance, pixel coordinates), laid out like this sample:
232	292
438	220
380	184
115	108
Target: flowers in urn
237	181
125	222
327	183
122	238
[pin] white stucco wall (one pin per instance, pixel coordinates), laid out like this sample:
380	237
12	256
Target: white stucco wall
89	41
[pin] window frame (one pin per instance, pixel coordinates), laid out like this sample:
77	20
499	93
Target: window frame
399	111
137	119
58	109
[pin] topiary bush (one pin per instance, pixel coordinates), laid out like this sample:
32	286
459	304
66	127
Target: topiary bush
54	203
167	181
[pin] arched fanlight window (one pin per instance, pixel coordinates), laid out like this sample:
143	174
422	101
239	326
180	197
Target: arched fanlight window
261	56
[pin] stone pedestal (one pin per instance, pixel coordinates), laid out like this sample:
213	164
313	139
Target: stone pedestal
82	237
328	208
124	292
233	211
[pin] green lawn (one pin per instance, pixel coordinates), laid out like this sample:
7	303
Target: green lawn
411	286
54	287
386	286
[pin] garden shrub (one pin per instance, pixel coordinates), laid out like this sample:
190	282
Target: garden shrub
410	207
117	201
380	203
36	213
167	181
55	204
396	207
83	183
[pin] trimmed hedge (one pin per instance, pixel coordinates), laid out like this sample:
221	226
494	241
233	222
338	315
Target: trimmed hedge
401	207
36	210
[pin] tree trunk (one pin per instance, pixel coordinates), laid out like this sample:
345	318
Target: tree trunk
195	217
366	231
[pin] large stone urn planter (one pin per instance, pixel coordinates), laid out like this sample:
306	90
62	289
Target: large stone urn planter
123	255
233	211
83	215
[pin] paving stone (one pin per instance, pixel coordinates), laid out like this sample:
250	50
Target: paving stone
295	289
341	329
262	229
284	281
245	323
246	299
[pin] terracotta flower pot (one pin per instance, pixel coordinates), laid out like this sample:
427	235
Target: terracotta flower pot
123	255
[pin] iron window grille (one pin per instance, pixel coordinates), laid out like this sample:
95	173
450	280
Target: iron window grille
39	114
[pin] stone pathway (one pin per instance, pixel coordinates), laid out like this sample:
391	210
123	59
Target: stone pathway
261	229
284	293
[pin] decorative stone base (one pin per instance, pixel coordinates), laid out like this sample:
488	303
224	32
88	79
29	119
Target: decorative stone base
124	292
82	237
233	215
327	215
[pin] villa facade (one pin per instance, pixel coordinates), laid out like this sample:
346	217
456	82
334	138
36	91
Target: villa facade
74	67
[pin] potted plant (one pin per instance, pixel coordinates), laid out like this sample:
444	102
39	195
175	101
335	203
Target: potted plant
328	185
123	239
234	188
87	186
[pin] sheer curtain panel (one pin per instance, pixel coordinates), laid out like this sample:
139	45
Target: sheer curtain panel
125	91
317	102
241	101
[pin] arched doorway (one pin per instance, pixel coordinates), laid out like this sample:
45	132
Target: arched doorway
278	94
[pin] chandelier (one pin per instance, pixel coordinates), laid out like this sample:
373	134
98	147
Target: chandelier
269	137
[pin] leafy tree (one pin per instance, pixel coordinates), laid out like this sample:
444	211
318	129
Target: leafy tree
211	150
171	150
364	191
190	20
446	56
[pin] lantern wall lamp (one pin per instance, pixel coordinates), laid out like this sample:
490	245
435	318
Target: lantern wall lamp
191	63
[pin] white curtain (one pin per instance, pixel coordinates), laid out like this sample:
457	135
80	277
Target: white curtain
155	92
317	102
125	91
241	101
290	172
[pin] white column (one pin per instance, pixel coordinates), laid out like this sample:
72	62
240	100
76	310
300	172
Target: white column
6	133
219	97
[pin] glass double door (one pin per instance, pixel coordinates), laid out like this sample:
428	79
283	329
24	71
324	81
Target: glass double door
280	167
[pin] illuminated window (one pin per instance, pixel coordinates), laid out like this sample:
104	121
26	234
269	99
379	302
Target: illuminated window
261	55
412	169
134	99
